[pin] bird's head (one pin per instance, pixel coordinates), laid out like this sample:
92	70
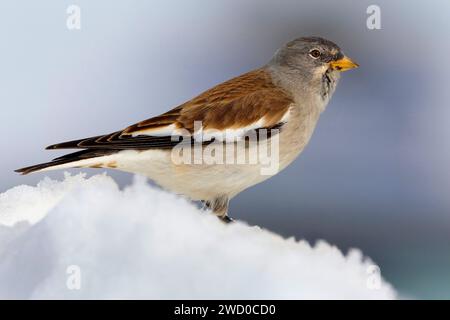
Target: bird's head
312	62
313	53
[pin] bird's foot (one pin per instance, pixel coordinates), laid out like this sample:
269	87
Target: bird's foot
226	219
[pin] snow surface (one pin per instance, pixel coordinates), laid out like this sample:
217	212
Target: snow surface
142	242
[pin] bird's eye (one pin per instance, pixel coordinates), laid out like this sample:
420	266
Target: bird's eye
314	53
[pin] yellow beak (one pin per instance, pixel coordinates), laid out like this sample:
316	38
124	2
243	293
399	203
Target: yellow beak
343	64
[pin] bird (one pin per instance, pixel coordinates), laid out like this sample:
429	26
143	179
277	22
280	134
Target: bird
277	106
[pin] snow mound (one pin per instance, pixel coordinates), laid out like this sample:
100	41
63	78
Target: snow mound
86	238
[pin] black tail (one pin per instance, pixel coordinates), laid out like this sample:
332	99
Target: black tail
71	157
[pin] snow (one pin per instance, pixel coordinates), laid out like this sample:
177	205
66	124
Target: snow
85	238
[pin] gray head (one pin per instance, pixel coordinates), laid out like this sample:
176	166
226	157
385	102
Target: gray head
312	54
312	62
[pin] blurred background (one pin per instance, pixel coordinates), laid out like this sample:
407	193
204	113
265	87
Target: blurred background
376	173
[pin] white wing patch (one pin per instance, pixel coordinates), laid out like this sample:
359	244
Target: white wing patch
159	132
232	134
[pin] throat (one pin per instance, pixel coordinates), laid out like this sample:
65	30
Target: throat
329	81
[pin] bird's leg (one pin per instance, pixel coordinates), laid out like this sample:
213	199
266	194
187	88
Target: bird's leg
219	207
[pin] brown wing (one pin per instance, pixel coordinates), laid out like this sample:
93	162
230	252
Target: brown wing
237	103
